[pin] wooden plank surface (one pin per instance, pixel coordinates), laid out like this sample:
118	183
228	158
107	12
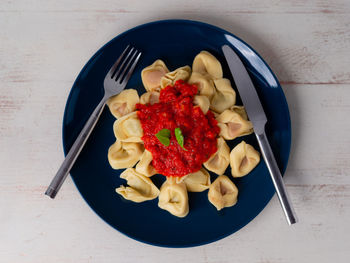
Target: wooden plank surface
43	46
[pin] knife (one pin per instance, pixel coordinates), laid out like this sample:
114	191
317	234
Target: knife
258	118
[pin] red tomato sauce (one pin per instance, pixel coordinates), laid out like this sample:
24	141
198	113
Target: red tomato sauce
175	109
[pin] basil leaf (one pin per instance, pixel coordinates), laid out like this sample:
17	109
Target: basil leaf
164	133
179	137
164	136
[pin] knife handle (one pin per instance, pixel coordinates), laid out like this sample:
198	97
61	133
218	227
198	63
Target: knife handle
277	178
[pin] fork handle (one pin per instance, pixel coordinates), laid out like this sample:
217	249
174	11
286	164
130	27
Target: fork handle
277	178
75	150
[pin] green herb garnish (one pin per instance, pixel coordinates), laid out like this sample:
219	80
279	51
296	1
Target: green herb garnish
164	136
179	137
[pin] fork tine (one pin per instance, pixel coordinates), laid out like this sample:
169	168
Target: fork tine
128	75
114	67
122	75
116	75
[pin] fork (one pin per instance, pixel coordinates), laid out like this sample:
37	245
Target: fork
114	82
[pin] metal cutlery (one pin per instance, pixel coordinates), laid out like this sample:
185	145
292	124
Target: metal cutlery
114	82
257	116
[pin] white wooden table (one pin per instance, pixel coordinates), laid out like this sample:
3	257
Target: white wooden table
45	43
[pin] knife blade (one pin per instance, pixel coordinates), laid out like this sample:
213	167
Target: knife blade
258	118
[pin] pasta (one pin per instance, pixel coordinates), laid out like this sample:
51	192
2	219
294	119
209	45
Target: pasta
123	103
177	180
240	110
150	97
234	123
128	128
224	96
140	188
206	63
243	159
219	161
173	197
198	181
144	166
204	84
152	75
171	77
124	154
214	94
222	192
202	102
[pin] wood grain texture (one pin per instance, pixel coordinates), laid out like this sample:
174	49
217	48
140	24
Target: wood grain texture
134	6
43	46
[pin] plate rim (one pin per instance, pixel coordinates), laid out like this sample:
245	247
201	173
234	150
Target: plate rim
199	24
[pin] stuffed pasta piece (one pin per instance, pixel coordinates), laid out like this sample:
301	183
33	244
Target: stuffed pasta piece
219	161
204	84
128	128
123	103
124	154
173	197
206	63
150	97
198	181
140	188
222	192
234	123
224	96
243	159
202	102
144	166
171	77
152	75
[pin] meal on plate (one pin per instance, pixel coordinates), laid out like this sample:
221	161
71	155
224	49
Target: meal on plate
178	128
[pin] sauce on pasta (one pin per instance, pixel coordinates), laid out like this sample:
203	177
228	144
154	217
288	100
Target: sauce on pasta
176	110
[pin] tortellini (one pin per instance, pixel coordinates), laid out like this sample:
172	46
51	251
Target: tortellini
214	93
123	103
152	75
173	197
171	77
222	192
219	161
234	123
204	84
198	181
176	179
124	154
128	128
140	188
243	159
224	96
150	97
206	63
144	166
202	102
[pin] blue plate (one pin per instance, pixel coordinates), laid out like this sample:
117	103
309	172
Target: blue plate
176	42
